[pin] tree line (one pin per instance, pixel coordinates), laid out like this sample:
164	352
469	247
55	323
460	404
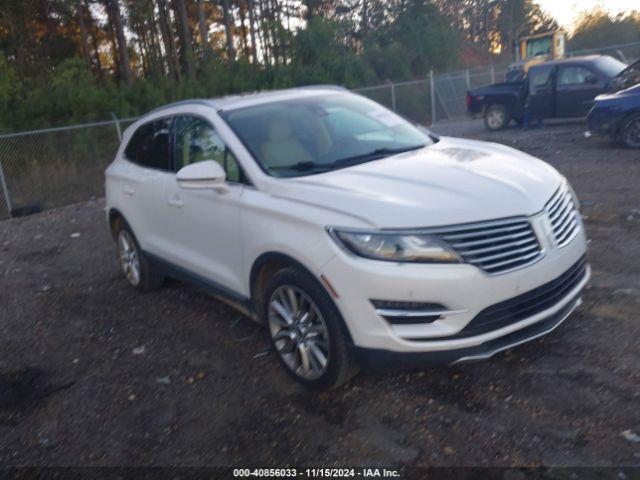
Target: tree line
79	60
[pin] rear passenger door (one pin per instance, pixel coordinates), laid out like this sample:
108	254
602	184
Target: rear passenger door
205	223
577	86
148	168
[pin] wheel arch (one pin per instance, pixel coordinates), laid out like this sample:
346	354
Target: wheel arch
507	100
625	118
267	264
113	216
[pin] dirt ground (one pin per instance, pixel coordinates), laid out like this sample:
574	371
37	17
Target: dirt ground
92	373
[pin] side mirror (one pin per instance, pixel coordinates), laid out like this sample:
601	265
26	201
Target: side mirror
591	79
207	174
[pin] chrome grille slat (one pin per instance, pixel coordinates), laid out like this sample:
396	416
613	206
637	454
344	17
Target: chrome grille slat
499	247
559	204
488	240
493	266
476	226
566	205
565	227
480	233
555	198
561	220
496	246
563	216
508	253
569	233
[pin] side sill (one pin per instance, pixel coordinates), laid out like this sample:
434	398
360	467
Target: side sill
220	292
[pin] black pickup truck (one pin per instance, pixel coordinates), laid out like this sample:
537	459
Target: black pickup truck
566	86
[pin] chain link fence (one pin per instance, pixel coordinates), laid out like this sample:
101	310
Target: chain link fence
48	168
42	169
451	88
413	99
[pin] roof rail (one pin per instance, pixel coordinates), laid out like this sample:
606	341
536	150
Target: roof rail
327	86
199	101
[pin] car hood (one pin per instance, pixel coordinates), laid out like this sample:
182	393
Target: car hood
622	72
633	90
450	182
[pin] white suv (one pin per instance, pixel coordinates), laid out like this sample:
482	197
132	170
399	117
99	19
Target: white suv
352	234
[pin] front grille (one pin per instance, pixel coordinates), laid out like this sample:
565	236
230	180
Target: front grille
563	215
523	306
497	246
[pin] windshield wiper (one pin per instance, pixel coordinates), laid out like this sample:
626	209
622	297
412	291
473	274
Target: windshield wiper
353	160
375	154
306	167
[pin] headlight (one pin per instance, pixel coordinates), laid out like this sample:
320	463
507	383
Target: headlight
396	246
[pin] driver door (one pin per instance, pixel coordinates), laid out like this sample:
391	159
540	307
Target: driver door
205	223
541	93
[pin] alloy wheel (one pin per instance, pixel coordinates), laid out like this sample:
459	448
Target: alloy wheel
129	258
495	118
299	332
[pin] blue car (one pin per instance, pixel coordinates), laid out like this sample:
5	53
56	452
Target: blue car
617	112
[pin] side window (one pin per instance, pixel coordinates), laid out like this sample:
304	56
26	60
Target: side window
574	75
232	167
197	141
539	78
149	145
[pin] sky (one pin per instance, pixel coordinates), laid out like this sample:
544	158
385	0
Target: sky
566	11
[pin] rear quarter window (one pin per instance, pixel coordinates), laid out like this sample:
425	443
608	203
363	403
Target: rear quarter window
150	145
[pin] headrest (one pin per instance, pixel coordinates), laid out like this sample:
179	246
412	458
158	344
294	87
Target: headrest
279	129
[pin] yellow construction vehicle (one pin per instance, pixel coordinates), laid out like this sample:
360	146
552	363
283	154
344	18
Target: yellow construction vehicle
549	45
535	49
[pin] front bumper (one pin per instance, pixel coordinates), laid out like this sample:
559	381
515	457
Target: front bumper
378	359
604	123
464	290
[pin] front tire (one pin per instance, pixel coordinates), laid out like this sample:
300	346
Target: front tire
134	264
630	132
306	330
496	117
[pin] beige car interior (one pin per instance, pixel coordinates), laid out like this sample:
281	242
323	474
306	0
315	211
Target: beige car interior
282	149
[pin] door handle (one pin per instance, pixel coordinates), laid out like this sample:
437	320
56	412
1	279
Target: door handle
175	201
128	190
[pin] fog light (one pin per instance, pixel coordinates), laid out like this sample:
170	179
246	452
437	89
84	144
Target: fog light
403	313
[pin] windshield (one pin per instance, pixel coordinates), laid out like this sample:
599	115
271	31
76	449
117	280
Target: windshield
539	46
626	79
321	133
610	66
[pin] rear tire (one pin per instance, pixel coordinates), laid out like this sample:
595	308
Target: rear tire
630	132
134	264
496	117
307	331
